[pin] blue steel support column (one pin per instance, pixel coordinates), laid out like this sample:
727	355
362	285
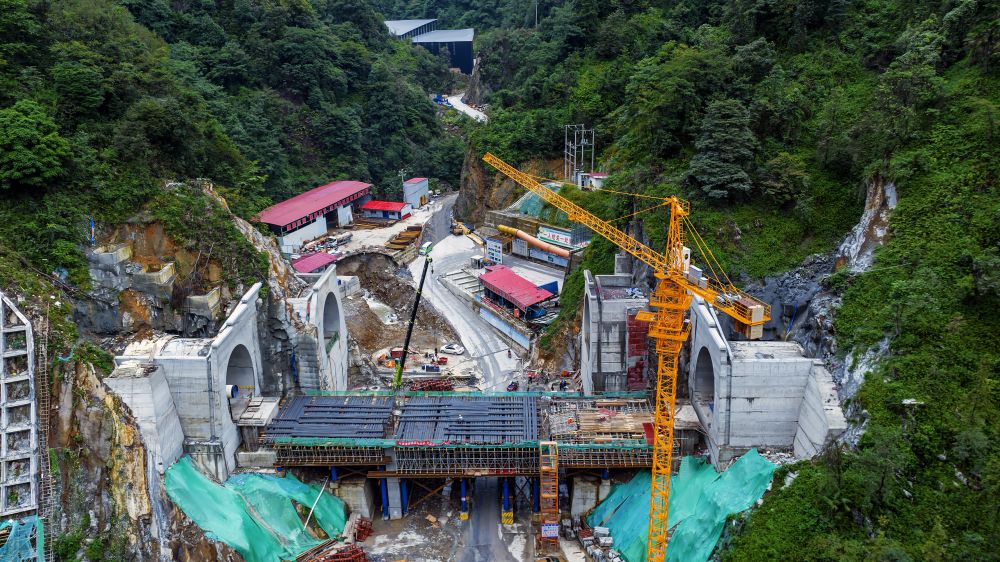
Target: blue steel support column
406	494
333	474
536	497
605	473
506	494
463	513
385	498
507	515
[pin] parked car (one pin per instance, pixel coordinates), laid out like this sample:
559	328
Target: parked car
453	349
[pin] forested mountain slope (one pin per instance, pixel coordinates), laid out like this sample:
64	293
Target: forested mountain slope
100	102
772	116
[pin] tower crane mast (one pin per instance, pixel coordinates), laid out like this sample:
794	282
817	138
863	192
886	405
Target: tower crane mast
677	281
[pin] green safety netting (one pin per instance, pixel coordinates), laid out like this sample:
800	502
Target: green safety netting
700	501
20	547
255	514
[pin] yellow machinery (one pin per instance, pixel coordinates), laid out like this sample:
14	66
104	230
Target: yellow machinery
678	279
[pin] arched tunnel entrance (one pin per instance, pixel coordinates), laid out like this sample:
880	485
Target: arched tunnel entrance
704	382
240	380
331	322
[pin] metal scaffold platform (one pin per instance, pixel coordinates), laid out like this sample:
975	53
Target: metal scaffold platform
440	434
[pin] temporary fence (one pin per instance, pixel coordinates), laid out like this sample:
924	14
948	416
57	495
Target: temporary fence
255	514
700	502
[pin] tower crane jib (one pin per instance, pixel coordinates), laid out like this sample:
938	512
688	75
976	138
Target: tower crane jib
678	280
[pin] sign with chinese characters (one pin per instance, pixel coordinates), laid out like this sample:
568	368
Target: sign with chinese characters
550	530
494	250
553	235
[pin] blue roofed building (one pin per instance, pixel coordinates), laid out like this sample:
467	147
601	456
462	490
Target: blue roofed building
457	42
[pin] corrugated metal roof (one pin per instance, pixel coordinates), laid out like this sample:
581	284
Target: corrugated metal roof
304	204
311	262
402	27
361	417
511	286
469	419
415	180
446	36
374	205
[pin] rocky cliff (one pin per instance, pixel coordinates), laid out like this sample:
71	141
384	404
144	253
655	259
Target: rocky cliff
480	190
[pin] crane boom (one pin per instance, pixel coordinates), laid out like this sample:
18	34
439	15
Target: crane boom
671	299
673	263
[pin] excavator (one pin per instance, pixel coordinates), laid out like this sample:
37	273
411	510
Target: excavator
678	281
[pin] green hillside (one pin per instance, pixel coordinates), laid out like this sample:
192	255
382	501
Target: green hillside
772	116
101	102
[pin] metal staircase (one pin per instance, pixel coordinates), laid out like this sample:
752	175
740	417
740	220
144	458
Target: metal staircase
549	490
43	401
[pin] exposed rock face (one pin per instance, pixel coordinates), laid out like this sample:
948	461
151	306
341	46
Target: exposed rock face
477	90
104	481
857	251
480	191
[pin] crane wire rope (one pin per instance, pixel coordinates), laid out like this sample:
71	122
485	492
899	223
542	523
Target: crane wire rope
604	190
710	257
701	246
640	211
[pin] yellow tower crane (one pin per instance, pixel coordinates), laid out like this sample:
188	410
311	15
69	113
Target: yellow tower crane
677	281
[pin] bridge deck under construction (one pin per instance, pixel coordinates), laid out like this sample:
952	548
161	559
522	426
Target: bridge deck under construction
433	434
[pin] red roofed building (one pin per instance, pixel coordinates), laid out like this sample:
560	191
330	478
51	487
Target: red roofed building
386	210
308	215
597	179
314	262
416	192
502	287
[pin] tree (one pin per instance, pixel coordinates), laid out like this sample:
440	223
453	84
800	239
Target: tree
785	178
79	87
725	151
31	150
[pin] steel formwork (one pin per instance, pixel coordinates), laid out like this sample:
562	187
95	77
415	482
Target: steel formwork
467	461
442	434
311	455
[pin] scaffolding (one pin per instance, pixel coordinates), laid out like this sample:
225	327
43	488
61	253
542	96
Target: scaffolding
460	434
548	454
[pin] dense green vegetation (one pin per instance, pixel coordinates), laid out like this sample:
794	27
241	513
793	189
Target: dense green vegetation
101	102
772	116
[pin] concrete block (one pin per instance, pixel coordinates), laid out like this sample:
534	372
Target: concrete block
357	493
603	489
256	459
584	495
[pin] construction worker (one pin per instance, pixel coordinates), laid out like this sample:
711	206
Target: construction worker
508	353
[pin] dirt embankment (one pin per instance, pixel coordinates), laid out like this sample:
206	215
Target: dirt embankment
391	285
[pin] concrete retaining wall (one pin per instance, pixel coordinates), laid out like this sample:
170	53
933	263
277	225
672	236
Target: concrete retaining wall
325	359
148	397
821	420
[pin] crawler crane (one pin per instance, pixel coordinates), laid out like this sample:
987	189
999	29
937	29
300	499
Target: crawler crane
677	281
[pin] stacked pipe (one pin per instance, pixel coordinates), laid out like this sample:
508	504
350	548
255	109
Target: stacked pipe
531	240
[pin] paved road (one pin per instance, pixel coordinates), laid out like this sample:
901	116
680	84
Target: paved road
481	341
483	542
457	103
439	226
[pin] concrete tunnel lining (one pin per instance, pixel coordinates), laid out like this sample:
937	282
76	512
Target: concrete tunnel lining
704	376
240	370
331	318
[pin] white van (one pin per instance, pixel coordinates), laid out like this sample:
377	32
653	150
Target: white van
425	248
